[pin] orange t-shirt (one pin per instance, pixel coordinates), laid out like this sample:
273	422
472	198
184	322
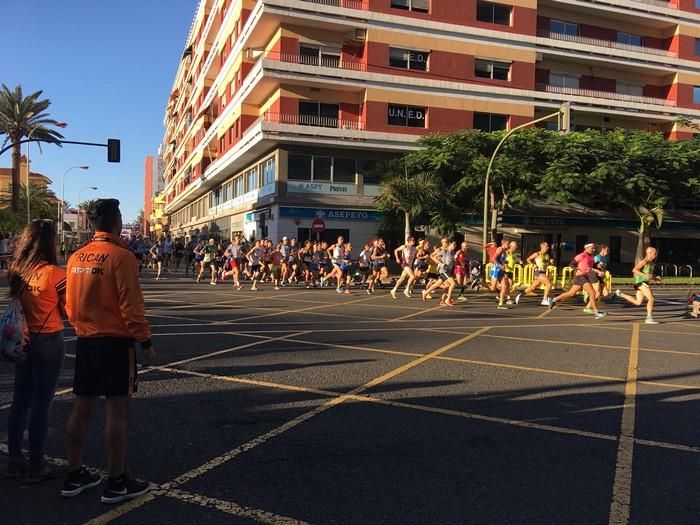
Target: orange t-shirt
45	290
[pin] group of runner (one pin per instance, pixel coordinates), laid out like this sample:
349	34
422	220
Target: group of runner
445	269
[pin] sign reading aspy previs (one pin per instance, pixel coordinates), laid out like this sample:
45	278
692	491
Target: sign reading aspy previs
322	187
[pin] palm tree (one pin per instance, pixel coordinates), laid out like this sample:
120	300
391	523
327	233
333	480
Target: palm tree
42	201
22	117
410	195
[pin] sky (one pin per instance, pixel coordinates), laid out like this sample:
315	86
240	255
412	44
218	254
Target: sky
107	68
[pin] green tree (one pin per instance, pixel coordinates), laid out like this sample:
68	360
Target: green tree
42	205
24	117
410	194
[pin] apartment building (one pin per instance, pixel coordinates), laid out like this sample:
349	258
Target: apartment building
280	109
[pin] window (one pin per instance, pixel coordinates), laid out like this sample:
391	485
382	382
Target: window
268	172
252	179
227	191
696	94
421	6
368	170
629	39
408	59
629	88
344	170
319	56
493	13
564	28
563	80
318	114
615	249
299	167
322	168
407	116
238	186
492	69
490	122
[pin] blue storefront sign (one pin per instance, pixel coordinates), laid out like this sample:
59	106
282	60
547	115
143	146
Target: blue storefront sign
331	214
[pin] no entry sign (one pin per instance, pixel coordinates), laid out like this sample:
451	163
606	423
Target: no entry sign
317	226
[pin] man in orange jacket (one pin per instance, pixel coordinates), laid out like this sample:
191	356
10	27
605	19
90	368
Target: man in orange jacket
104	303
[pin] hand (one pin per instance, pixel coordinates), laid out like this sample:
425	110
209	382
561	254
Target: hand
149	356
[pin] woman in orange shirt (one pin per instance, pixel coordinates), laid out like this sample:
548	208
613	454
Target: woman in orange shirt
40	285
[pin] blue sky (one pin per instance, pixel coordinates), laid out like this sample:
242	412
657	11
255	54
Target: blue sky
107	68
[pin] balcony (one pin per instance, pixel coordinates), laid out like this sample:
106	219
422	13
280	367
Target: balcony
335	62
576	39
313	120
363	5
609	95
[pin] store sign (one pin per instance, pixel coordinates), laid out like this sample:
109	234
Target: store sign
331	214
322	187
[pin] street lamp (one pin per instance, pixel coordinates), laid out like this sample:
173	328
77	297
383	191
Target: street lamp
29	169
93	188
62	214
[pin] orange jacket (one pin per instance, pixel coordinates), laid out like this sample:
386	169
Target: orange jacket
103	294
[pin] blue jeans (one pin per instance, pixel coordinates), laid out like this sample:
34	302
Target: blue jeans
35	386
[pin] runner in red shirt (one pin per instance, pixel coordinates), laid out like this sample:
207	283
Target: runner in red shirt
585	271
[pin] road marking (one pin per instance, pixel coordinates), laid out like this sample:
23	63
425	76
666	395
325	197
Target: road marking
228	456
544	314
622	487
300	310
414	314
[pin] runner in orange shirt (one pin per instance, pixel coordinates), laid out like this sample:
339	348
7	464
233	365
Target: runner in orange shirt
40	286
105	304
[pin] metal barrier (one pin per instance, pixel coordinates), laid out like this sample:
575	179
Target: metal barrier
552	272
608	280
567	275
528	274
689	268
517	275
487	272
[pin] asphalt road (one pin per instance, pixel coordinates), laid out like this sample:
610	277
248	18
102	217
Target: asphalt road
308	406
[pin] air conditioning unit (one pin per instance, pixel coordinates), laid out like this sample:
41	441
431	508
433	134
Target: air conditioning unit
357	35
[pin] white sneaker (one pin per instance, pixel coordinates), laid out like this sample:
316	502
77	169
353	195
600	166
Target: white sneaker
407	293
618	292
544	302
517	298
650	320
393	293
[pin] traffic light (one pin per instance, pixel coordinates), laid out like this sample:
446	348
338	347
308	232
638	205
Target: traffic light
113	150
565	117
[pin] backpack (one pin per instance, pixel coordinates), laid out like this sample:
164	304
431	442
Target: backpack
14	333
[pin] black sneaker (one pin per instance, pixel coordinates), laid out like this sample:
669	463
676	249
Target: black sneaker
78	481
45	472
123	488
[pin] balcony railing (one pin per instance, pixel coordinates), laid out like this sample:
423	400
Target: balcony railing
323	61
592	93
349	4
599	42
657	3
313	120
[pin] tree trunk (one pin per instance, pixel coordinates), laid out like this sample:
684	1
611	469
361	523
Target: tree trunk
15	177
643	240
407	228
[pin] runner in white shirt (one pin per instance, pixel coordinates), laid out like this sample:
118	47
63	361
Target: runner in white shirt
405	255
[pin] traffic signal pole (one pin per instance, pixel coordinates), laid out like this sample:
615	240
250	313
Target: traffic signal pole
113	146
564	119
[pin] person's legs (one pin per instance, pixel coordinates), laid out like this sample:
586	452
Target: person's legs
636	300
76	429
649	296
21	402
48	354
116	433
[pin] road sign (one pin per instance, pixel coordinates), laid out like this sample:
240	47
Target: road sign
318	226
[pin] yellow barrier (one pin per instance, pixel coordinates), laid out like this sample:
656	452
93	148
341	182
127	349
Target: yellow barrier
529	275
552	274
517	275
567	274
608	281
487	274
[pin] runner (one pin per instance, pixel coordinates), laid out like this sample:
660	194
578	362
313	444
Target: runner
190	262
541	259
461	270
275	266
336	252
364	263
445	259
584	264
105	305
294	261
378	259
179	253
348	267
197	258
643	273
422	261
255	256
219	262
234	254
167	252
156	253
405	256
285	249
305	255
40	285
600	284
207	252
499	279
139	249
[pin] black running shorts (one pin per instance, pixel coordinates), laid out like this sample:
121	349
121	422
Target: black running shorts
105	366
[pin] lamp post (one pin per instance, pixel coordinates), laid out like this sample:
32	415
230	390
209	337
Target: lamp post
62	214
29	169
93	188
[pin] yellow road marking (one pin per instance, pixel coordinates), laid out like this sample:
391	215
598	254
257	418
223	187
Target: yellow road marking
414	314
544	314
622	487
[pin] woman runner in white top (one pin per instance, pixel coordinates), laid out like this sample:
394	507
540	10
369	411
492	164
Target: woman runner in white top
405	255
337	252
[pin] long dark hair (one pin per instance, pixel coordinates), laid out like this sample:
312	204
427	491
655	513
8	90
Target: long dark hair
37	243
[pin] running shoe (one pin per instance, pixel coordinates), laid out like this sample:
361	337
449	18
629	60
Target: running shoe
443	303
277	287
339	290
509	301
44	472
213	283
650	320
428	296
544	302
78	481
123	488
461	298
502	306
475	284
407	293
199	279
517	298
551	303
618	292
600	315
254	289
239	286
393	293
424	295
587	310
450	302
585	297
369	292
347	291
